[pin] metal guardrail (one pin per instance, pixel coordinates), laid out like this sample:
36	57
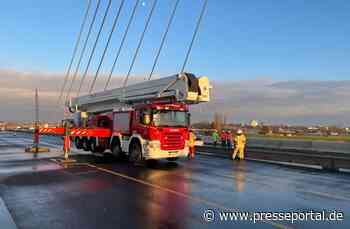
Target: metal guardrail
331	161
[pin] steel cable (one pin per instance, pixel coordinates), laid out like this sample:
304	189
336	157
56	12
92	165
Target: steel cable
107	46
83	50
94	47
77	43
140	42
163	39
194	35
122	42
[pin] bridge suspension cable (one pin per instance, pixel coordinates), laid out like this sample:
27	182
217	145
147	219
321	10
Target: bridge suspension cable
83	50
115	22
163	39
194	35
94	47
122	42
191	44
130	21
76	46
140	42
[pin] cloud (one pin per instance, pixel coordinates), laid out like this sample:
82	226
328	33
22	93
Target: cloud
17	94
293	102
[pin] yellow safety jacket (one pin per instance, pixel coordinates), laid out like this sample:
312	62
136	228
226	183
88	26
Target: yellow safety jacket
240	140
192	140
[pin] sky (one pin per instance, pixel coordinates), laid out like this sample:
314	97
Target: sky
275	102
271	41
283	40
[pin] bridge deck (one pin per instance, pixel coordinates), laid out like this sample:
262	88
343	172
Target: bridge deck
39	193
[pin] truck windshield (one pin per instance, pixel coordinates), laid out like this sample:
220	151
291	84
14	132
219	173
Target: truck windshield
170	118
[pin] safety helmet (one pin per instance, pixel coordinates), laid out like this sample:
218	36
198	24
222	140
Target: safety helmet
239	131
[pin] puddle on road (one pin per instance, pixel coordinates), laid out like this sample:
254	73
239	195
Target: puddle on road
28	166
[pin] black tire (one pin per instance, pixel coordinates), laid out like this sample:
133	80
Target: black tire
108	157
94	147
86	144
151	163
78	143
135	153
117	149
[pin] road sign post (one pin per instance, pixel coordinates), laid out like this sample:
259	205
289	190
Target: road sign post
36	148
36	139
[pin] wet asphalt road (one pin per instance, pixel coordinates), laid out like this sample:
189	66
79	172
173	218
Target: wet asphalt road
103	193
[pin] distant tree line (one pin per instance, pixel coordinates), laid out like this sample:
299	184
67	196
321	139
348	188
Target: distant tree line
219	122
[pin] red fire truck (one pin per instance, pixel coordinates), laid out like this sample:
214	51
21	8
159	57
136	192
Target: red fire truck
147	120
148	131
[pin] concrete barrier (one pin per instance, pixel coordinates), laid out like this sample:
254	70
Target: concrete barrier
328	155
331	146
324	146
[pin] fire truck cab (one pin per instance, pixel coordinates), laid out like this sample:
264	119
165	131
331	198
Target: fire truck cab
151	131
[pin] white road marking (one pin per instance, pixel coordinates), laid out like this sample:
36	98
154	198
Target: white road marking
184	195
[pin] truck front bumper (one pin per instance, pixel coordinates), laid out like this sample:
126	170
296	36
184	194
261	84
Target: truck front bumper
151	150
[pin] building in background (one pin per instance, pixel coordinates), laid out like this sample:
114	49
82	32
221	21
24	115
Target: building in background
254	123
2	126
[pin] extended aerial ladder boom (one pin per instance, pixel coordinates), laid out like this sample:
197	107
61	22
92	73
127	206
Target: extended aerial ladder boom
183	87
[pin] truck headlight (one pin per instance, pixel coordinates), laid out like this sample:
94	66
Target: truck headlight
154	145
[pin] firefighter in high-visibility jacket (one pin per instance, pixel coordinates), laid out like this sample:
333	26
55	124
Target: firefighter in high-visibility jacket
192	145
240	141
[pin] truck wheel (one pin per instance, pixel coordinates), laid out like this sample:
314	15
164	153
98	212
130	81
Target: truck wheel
151	163
94	148
92	143
117	150
135	154
86	144
78	143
